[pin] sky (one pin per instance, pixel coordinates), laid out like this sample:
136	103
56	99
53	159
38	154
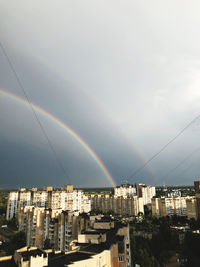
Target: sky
124	76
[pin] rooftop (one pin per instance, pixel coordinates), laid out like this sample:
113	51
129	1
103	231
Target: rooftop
31	253
8	263
62	259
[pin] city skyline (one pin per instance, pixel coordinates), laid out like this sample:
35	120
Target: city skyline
111	87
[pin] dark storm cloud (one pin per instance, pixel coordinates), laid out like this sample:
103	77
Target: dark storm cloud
122	74
79	111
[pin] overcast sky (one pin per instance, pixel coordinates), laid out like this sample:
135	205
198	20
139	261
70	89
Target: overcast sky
124	75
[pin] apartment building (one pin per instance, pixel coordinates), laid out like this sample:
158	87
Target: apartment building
127	206
147	192
169	206
66	199
191	204
55	226
108	244
140	190
125	190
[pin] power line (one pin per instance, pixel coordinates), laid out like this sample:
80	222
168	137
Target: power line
163	148
34	112
181	162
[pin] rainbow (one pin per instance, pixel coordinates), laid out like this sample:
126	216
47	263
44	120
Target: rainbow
112	120
69	130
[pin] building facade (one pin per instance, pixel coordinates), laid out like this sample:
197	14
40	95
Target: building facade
65	199
170	206
147	192
106	245
125	190
52	228
127	206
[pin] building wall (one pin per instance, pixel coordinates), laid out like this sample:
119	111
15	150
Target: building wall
191	204
12	205
102	259
103	225
33	261
59	227
147	192
69	199
125	190
92	238
130	206
170	206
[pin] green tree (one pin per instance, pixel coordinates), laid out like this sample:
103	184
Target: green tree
17	241
47	244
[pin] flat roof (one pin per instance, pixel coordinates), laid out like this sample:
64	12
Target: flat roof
62	259
34	252
8	263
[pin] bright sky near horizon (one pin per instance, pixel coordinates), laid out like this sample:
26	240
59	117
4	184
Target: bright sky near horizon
123	75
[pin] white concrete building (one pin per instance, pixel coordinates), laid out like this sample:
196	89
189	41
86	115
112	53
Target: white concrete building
12	205
65	199
125	190
147	192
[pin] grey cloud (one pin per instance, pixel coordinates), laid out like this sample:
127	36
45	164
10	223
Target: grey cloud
122	74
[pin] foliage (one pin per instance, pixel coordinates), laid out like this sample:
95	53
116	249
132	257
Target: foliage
160	248
17	241
3	202
47	244
2	253
191	249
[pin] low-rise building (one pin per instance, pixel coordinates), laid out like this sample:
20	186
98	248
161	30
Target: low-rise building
26	257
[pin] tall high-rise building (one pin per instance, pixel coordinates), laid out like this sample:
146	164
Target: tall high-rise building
125	190
147	192
55	226
197	187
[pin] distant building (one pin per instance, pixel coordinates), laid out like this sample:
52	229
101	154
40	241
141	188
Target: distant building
174	193
197	195
191	204
140	190
170	206
147	192
127	206
197	187
125	190
65	199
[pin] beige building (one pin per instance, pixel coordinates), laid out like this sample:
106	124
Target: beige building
30	257
191	204
104	247
127	206
181	206
54	227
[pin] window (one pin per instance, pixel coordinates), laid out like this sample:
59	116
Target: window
121	258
